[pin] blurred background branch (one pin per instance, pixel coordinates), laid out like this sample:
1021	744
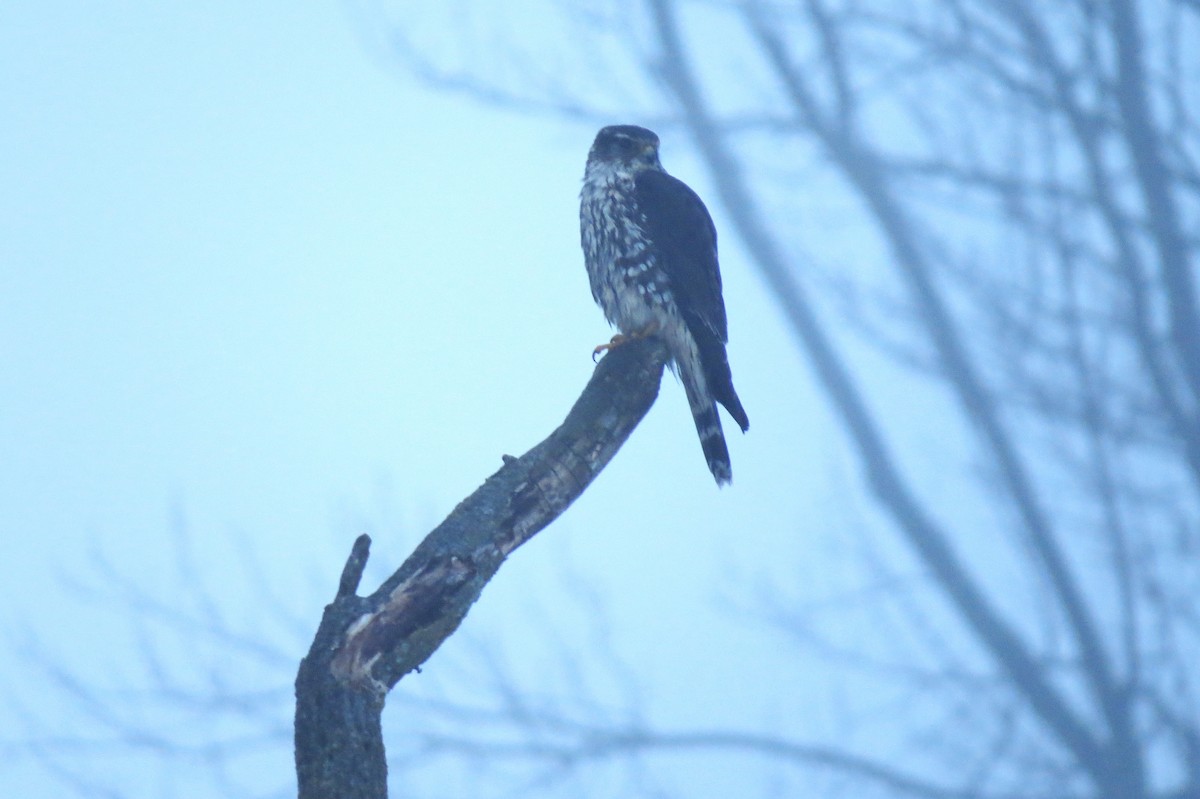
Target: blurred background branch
976	221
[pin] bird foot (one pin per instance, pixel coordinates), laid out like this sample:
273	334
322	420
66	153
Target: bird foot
613	343
623	338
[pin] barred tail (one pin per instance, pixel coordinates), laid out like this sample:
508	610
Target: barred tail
708	425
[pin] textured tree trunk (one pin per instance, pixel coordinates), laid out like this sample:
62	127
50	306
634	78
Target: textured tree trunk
365	645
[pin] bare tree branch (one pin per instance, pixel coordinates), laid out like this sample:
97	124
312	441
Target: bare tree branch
581	744
1145	150
365	645
1022	176
884	476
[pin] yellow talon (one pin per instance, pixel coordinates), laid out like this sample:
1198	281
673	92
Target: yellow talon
622	338
615	341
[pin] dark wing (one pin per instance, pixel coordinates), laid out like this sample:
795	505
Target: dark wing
686	242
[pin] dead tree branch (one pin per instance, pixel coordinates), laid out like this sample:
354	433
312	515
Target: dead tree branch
365	645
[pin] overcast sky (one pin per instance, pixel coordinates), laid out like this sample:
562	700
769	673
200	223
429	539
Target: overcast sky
255	278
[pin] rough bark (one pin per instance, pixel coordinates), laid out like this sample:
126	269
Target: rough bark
365	645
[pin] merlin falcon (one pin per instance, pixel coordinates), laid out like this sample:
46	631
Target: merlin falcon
651	254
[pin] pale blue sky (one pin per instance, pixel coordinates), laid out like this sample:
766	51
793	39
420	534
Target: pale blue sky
249	271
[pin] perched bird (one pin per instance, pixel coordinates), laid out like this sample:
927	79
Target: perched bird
651	254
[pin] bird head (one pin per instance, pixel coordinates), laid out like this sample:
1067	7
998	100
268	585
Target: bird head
625	148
